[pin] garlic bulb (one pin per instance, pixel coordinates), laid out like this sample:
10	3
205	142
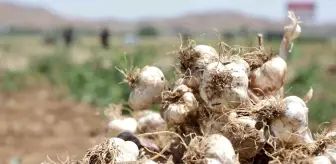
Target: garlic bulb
193	61
250	147
120	125
181	89
270	77
147	90
128	151
151	120
225	85
176	112
149	162
331	134
193	80
220	148
207	55
190	101
213	161
331	154
190	81
321	160
329	157
293	127
280	94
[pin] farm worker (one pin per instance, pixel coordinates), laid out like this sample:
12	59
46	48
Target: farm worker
68	36
104	38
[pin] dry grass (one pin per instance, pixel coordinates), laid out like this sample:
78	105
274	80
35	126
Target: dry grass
169	97
256	59
101	154
131	73
195	153
280	152
219	82
188	57
246	140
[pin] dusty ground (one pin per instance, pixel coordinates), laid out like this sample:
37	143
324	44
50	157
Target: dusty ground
35	123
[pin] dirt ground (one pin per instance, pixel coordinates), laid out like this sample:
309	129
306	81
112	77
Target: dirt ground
35	123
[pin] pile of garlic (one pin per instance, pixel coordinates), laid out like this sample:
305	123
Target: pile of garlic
224	109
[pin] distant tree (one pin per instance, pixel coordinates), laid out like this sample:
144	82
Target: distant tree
148	31
244	31
228	36
273	35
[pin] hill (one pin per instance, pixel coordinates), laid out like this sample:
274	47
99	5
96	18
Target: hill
43	19
40	18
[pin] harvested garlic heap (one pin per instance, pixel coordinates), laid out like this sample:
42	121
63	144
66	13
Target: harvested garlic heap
226	108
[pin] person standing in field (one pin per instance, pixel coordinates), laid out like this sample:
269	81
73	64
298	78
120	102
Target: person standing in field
104	38
68	36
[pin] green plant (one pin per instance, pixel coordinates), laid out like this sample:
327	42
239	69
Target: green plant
305	78
91	81
12	81
322	110
148	31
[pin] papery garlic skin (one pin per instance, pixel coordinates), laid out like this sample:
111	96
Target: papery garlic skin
148	89
292	33
293	30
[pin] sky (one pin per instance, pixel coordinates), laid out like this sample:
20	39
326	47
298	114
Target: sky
140	9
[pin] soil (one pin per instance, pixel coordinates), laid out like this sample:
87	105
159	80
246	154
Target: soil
35	123
332	69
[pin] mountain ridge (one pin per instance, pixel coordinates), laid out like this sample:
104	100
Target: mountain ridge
40	18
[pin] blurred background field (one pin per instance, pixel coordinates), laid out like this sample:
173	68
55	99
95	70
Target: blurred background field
52	97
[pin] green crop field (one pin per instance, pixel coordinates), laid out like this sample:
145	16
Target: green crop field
86	73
